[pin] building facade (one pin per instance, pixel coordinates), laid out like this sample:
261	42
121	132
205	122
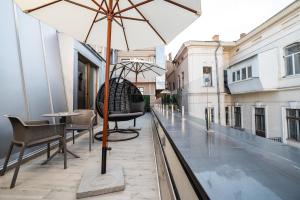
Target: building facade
196	76
261	70
264	78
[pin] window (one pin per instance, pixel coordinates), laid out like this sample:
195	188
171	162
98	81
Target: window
227	116
233	76
173	85
141	89
292	59
179	82
293	124
226	88
249	69
182	77
237	117
207	76
244	73
238	75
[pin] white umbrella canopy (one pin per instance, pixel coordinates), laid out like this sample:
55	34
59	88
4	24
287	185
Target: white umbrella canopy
138	70
137	24
117	24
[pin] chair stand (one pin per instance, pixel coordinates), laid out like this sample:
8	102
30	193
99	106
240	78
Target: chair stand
116	129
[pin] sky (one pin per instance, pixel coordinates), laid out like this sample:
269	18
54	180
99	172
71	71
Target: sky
227	18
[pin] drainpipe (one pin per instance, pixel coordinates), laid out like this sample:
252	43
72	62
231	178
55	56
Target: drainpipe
218	85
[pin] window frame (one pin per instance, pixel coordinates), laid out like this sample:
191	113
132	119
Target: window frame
233	76
210	74
296	120
249	67
238	75
244	76
293	62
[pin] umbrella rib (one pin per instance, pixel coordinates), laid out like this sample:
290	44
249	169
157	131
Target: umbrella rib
115	6
129	18
164	41
123	27
84	6
102	18
42	6
106	5
100	5
155	67
182	6
141	66
133	6
117	22
143	74
149	68
127	73
155	72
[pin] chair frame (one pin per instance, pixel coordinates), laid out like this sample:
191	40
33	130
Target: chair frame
24	138
90	126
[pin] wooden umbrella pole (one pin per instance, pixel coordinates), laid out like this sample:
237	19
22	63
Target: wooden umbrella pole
106	89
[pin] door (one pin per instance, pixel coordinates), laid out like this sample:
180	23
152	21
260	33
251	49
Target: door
237	117
260	127
87	84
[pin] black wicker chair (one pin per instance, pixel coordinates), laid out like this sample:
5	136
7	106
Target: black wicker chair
125	103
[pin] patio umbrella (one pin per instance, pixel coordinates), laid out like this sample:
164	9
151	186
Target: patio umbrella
125	24
137	67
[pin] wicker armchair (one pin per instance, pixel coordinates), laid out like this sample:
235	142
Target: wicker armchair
84	121
125	103
28	134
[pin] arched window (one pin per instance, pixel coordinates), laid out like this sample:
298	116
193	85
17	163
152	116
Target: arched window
292	59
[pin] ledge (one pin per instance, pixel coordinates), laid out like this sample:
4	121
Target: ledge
231	164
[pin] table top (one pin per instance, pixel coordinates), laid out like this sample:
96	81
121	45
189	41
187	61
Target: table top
61	114
233	164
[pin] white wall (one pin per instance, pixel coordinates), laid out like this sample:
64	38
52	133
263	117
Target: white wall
274	102
269	46
66	45
69	49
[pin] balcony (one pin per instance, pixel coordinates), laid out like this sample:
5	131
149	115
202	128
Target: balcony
245	86
51	181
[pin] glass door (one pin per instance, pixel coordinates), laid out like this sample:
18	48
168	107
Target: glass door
87	84
260	127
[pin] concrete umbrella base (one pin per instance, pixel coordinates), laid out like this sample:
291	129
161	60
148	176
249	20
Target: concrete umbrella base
94	183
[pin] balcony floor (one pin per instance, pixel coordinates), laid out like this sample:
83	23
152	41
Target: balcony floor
51	181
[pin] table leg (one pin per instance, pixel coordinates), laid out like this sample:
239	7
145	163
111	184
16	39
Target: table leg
64	120
73	154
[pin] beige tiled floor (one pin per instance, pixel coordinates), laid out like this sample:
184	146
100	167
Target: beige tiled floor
51	181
